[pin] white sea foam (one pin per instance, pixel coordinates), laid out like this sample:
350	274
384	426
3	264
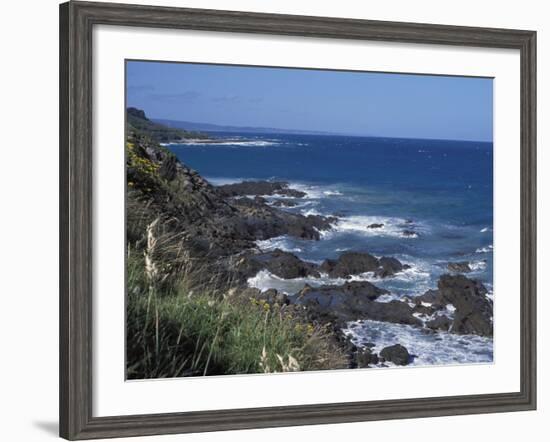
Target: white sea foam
264	280
487	249
422	316
386	297
308	212
280	242
217	181
478	266
317	192
393	227
449	312
450	308
298	202
311	191
222	142
486	229
428	348
417	272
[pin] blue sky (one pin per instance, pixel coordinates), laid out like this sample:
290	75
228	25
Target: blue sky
355	103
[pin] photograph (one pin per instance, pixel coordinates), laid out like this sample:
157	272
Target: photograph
275	221
297	219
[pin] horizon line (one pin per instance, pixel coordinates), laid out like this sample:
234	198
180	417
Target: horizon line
321	133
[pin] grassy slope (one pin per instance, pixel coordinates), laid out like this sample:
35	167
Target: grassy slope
181	321
185	332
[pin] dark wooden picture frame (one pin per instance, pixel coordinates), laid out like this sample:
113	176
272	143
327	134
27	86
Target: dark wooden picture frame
77	20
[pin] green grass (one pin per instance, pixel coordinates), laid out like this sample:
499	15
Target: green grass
160	132
182	332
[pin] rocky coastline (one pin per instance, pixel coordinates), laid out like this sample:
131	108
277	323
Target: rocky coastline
219	227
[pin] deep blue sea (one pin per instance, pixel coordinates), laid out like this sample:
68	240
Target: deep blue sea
441	192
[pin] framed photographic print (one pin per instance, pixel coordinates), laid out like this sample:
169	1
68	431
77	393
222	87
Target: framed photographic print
272	220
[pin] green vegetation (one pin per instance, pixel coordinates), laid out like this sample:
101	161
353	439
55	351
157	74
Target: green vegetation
138	122
141	172
183	328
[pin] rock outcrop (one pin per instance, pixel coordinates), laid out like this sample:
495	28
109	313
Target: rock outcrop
355	263
459	267
472	310
247	188
209	223
397	354
282	264
352	301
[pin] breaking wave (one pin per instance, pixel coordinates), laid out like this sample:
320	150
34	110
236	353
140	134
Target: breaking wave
379	226
486	249
265	280
226	142
283	243
426	347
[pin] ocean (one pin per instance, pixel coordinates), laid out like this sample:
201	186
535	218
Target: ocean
434	199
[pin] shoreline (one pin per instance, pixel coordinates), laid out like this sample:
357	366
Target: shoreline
459	341
347	266
231	142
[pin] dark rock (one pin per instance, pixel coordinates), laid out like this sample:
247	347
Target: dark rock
263	221
431	296
365	357
459	267
283	203
259	188
375	226
409	233
350	263
334	294
354	263
168	168
352	301
473	314
244	267
388	267
473	311
424	310
396	354
212	226
440	322
282	264
288	266
394	311
292	193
